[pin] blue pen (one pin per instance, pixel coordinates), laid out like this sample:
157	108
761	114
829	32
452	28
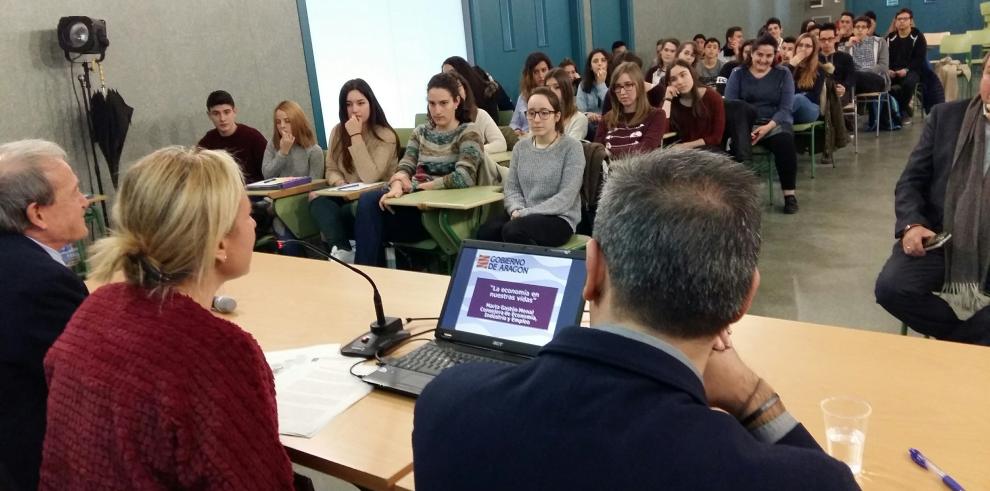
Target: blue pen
920	459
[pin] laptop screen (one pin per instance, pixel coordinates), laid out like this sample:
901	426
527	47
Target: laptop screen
512	297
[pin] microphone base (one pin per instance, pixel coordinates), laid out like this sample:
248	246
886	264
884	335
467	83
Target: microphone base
379	339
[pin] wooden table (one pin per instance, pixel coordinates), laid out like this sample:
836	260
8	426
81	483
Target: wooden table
294	190
925	394
407	483
450	199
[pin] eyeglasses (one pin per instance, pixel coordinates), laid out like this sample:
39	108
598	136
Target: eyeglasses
626	87
903	18
542	114
826	40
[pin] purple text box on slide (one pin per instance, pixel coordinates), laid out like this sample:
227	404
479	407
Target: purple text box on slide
512	303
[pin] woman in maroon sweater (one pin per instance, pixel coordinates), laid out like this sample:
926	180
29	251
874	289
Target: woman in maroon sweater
632	125
147	388
697	113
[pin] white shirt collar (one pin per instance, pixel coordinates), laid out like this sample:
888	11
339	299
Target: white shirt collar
51	252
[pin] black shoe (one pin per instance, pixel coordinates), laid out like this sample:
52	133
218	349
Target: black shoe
790	204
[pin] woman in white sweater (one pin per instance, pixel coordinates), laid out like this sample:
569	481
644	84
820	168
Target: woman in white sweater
491	136
575	123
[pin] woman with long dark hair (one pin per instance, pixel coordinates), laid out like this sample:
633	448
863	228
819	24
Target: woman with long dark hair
696	111
475	82
593	89
363	148
491	137
444	153
575	123
533	73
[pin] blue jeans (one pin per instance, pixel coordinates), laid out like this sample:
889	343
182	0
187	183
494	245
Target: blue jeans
804	111
373	226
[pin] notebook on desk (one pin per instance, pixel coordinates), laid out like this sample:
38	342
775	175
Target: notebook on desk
276	183
503	303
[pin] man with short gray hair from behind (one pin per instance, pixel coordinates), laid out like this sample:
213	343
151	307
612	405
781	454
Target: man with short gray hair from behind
41	211
629	403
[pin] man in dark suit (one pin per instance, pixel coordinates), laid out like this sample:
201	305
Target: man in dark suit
41	211
627	403
953	140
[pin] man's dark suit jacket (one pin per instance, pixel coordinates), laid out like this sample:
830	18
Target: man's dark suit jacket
599	411
920	193
37	298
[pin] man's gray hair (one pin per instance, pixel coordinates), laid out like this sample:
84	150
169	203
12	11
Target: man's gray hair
23	181
680	231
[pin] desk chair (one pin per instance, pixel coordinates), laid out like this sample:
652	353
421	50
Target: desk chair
870	98
808	129
504	118
766	163
577	242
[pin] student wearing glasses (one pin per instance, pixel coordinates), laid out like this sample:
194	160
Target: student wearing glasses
907	48
632	125
542	201
809	79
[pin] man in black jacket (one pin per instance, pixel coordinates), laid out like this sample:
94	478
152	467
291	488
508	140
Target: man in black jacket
908	51
844	72
41	211
627	403
953	139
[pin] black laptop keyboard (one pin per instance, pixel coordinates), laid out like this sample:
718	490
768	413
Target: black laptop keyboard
433	358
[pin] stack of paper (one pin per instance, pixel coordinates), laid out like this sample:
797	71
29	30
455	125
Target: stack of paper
312	386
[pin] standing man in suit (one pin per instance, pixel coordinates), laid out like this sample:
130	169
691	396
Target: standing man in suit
41	211
627	403
943	292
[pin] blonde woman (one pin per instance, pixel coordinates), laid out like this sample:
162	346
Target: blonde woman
146	386
292	151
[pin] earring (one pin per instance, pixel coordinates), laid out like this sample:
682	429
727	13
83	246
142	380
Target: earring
222	258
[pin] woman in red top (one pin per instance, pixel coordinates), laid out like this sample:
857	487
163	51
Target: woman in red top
697	113
631	125
147	388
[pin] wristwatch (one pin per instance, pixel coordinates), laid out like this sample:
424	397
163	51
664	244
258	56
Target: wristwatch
909	227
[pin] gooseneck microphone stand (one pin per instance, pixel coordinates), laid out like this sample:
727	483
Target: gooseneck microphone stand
384	333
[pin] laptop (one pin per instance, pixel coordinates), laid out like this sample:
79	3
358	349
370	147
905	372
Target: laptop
503	303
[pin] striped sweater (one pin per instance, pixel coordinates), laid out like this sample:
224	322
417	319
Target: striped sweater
451	157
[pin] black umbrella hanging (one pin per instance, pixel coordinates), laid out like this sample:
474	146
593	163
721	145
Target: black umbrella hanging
111	118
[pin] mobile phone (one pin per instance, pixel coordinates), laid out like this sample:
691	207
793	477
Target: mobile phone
936	241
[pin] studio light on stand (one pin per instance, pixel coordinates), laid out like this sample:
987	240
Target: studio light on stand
80	38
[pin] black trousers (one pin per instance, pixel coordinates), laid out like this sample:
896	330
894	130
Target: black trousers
784	153
867	82
904	288
902	88
739	118
374	226
542	230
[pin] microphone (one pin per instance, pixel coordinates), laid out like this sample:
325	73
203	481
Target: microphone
223	304
384	333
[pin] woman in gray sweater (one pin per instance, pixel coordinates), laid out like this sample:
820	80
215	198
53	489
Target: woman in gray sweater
542	201
292	151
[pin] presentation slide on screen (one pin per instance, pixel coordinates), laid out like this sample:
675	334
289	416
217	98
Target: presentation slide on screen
514	296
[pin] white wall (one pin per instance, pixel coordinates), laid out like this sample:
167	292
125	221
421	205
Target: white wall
394	45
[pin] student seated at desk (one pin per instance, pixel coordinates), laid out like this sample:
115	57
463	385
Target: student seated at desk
147	388
542	201
444	153
627	403
696	111
575	123
631	125
363	148
534	71
292	150
244	143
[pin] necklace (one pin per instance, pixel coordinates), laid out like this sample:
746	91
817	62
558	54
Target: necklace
537	145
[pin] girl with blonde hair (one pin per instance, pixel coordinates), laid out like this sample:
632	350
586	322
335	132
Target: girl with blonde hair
292	150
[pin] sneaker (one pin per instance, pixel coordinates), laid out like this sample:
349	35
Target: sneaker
906	120
345	256
790	204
